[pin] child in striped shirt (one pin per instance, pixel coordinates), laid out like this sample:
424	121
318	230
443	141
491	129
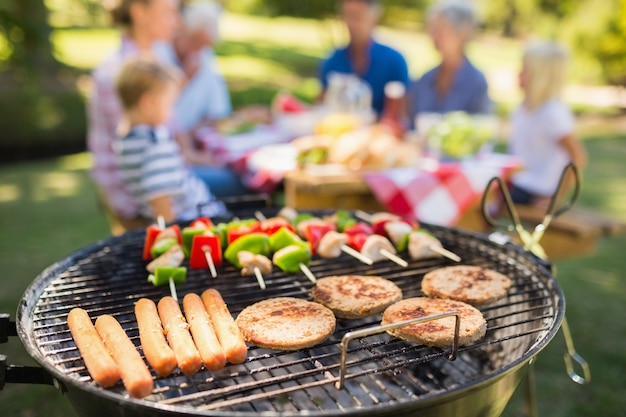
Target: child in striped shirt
149	159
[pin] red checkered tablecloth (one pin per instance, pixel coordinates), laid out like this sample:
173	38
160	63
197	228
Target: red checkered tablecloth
438	192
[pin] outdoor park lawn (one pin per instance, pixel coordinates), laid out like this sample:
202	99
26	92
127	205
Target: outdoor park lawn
48	209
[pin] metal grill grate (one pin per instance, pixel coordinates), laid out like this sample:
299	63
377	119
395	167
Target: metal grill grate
110	276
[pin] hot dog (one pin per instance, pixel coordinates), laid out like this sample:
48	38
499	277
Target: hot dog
227	331
135	374
155	348
178	337
101	366
203	333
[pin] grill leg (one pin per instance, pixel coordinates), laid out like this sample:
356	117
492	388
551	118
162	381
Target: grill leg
530	405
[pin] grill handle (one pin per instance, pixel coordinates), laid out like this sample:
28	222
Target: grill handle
348	337
16	373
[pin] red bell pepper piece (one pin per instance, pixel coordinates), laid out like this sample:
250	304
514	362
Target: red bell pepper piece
357	240
202	244
151	233
379	227
314	233
236	232
358	228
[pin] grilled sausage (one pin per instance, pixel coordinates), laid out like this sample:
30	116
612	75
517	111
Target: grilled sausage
101	366
203	333
177	331
135	374
155	348
227	331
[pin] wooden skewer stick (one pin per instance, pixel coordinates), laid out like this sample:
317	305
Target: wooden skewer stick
394	258
260	216
306	271
366	217
173	289
259	277
161	223
445	252
207	253
358	255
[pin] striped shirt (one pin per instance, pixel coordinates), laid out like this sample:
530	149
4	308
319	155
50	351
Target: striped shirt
151	166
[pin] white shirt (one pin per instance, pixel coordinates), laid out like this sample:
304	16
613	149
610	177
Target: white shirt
535	137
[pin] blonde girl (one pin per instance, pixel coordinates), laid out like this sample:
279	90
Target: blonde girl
542	127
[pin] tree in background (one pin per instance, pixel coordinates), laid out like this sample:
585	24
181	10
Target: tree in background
46	110
610	47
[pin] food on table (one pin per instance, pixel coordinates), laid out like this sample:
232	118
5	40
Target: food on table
203	246
173	257
458	134
99	362
471	284
155	348
256	242
331	243
249	261
286	323
163	274
439	332
373	147
135	374
203	333
285	102
178	337
225	328
355	296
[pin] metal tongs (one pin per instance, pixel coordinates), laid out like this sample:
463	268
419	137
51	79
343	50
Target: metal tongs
530	242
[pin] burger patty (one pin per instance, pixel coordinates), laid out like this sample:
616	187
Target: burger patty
471	284
286	323
439	332
355	296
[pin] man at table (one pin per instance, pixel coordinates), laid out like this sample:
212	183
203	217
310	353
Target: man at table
372	62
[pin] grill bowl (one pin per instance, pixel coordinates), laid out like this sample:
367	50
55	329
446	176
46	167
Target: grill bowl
385	376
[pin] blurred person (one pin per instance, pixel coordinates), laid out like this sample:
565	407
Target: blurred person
205	98
150	164
455	84
372	62
542	127
144	23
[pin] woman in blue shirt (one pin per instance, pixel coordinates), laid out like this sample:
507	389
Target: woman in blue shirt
455	84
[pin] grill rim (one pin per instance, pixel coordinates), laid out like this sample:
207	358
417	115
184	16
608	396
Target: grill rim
42	281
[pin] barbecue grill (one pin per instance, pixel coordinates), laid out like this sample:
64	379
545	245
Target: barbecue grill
383	375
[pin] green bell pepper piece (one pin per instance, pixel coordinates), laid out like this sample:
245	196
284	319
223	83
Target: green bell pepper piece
344	220
404	242
302	216
188	233
289	258
257	243
285	237
162	246
220	230
162	275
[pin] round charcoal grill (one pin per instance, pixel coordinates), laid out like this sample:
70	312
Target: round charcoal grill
383	376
